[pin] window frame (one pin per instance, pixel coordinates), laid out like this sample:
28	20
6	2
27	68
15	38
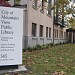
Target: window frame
55	33
49	7
46	31
49	32
61	34
34	29
41	31
42	6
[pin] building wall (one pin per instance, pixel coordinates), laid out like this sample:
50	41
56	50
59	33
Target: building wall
35	16
61	34
23	2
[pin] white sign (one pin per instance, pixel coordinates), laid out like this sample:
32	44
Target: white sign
11	31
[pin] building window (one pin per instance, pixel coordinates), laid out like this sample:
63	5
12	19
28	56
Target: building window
35	3
49	32
55	11
41	31
42	6
49	7
34	29
46	31
65	35
55	33
61	34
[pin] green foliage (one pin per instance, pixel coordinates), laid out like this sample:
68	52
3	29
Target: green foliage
64	8
38	47
42	47
71	23
24	50
30	49
51	44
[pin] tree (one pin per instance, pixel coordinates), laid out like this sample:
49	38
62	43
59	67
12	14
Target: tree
71	14
65	8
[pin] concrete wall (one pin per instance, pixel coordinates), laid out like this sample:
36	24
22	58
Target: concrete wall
32	41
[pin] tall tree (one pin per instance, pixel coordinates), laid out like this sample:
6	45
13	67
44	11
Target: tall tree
64	8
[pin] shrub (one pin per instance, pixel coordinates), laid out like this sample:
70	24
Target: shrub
38	47
47	45
56	44
24	50
60	43
51	44
30	49
44	46
35	48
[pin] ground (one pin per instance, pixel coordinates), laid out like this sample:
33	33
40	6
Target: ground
58	59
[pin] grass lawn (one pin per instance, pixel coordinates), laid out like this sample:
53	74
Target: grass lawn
46	62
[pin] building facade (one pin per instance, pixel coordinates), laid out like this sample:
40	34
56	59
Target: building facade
59	25
39	23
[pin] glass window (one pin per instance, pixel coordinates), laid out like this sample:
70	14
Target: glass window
65	35
61	34
34	29
46	31
42	5
55	33
49	32
49	7
41	31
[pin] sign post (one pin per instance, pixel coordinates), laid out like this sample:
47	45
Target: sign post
11	32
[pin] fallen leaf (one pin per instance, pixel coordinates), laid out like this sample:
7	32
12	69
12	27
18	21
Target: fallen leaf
60	65
45	73
30	72
46	61
28	57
